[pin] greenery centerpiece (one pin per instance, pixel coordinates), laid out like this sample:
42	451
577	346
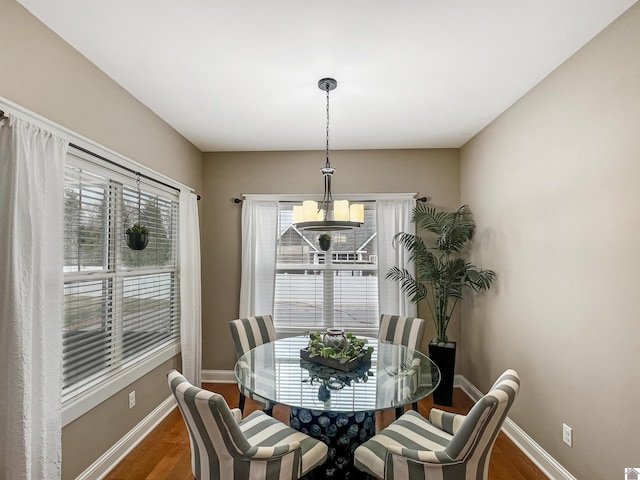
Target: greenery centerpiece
344	355
442	275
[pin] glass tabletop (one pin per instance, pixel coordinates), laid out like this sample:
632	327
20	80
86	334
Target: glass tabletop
395	376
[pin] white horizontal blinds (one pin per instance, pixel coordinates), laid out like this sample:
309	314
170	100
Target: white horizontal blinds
88	291
88	330
150	313
316	289
86	207
120	304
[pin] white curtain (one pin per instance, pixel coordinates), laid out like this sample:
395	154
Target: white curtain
31	299
394	216
259	233
190	288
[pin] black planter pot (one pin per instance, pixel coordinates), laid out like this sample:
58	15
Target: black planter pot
444	356
324	244
137	241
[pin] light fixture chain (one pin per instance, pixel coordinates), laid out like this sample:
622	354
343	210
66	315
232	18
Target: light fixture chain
327	88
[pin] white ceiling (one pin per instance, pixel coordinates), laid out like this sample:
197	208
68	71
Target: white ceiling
242	75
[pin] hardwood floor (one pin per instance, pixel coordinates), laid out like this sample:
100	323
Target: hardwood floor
164	454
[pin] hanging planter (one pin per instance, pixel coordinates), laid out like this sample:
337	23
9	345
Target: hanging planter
137	236
137	233
324	241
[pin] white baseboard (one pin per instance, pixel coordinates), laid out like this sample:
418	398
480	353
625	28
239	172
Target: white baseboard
218	376
545	462
103	465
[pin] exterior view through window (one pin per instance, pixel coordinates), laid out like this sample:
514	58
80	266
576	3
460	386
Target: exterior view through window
315	289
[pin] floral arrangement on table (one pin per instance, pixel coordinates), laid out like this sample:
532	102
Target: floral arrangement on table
347	349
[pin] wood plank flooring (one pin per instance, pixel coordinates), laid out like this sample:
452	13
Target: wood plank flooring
164	454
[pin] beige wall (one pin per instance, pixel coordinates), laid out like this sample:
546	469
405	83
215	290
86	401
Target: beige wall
554	186
44	74
433	173
41	72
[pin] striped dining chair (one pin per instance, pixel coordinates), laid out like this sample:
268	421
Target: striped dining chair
248	333
447	446
225	447
407	331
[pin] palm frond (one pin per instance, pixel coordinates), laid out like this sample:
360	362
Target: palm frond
479	279
428	218
412	288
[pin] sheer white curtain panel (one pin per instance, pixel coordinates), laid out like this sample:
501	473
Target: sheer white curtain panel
394	216
259	234
190	288
31	307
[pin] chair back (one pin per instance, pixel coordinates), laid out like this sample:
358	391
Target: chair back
405	331
474	439
251	332
215	437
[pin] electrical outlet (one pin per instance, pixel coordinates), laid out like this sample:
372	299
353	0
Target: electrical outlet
567	434
132	400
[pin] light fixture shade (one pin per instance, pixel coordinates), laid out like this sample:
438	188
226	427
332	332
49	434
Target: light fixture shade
310	209
356	212
341	210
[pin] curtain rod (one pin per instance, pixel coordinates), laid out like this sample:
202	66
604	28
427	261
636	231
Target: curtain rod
123	167
419	199
3	114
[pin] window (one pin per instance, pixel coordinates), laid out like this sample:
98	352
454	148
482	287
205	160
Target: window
316	289
120	305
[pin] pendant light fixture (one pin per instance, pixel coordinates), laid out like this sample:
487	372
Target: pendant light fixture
331	215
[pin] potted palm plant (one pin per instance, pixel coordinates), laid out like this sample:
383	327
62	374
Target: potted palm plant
442	277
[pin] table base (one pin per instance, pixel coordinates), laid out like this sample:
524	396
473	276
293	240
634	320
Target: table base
342	432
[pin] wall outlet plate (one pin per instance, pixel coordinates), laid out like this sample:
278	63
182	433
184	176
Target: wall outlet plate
132	400
567	434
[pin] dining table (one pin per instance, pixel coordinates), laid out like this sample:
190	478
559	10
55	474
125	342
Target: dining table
331	404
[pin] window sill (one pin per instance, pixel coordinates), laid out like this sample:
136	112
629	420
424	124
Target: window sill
82	403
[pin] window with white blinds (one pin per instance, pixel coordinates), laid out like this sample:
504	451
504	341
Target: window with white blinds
314	289
120	305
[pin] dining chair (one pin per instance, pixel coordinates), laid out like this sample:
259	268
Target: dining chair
448	445
224	447
407	331
248	333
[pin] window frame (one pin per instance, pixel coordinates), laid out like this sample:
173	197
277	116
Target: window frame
97	392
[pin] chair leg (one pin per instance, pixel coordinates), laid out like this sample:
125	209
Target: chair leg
241	403
268	411
415	406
